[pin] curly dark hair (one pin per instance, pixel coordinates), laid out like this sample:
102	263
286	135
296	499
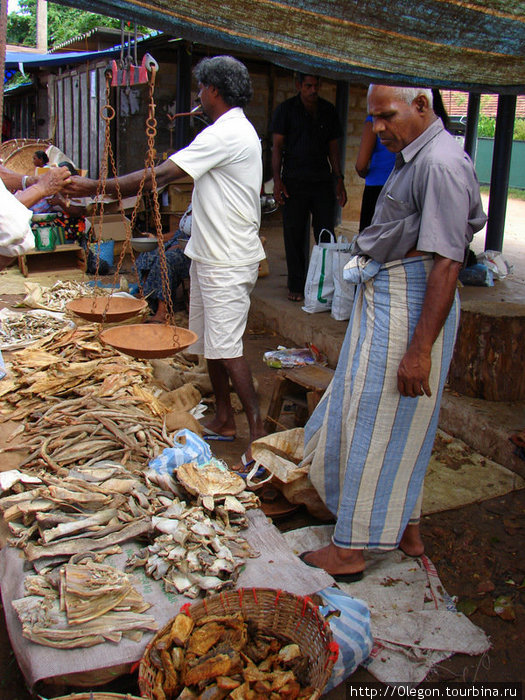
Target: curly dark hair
42	155
229	76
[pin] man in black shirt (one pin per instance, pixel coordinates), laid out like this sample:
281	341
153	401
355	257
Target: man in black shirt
307	174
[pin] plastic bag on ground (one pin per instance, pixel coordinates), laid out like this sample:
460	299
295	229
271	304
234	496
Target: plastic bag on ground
351	630
495	261
187	447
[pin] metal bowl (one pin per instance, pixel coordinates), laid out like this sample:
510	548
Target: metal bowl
142	245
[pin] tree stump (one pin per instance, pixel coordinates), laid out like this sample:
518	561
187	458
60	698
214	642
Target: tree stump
489	357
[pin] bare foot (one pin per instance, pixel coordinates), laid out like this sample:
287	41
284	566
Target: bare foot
411	543
336	560
224	428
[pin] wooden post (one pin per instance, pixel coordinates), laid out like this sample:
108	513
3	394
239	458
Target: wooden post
3	41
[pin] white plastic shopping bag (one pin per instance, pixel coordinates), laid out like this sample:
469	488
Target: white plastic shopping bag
319	287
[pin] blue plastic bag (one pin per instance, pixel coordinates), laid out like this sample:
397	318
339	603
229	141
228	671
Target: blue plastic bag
187	447
351	631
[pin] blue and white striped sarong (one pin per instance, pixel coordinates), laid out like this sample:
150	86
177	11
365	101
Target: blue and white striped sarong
367	446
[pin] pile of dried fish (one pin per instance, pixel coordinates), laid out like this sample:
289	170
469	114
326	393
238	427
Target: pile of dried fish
17	328
91	509
224	656
96	508
89	429
197	551
70	391
56	297
90	603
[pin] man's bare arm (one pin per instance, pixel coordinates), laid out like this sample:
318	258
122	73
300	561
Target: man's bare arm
279	189
414	370
335	162
129	184
50	183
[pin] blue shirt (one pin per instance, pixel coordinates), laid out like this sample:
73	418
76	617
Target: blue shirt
381	163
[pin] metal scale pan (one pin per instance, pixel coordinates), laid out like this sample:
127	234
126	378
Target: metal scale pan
110	309
148	341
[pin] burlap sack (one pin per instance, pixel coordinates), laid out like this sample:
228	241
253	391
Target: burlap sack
281	454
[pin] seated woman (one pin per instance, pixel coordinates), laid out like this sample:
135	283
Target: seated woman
178	265
40	159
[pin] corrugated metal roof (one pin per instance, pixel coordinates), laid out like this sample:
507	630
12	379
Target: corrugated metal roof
476	45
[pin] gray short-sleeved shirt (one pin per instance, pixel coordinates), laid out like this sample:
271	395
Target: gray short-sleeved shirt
431	202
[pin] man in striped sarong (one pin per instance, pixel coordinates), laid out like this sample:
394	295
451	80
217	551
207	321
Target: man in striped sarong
369	441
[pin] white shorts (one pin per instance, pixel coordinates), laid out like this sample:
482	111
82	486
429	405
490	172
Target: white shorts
219	305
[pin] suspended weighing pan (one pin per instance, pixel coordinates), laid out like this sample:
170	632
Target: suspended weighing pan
109	309
148	341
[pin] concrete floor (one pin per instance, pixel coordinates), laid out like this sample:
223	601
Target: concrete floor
485	426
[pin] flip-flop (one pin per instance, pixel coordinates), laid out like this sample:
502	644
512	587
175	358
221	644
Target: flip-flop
295	296
340	578
247	465
212	435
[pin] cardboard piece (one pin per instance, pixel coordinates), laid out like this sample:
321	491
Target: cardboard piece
113	227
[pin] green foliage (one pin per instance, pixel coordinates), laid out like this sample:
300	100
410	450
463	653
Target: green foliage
487	127
63	23
519	130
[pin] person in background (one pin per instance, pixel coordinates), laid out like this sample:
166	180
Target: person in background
374	163
40	159
369	440
225	162
177	263
307	175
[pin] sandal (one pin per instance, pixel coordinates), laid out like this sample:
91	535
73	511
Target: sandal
247	466
295	296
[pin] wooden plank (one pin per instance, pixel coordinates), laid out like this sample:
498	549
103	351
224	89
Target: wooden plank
68	136
75	118
60	142
83	121
101	103
94	124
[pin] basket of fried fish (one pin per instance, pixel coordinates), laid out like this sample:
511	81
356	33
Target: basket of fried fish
248	644
98	696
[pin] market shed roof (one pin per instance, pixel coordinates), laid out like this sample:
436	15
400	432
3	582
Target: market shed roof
478	45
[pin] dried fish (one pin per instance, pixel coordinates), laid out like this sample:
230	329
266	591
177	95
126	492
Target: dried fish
17	328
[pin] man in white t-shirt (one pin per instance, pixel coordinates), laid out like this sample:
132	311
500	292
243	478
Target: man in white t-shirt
225	163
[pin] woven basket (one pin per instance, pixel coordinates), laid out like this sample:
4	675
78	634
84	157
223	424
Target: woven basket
21	160
98	696
8	147
272	611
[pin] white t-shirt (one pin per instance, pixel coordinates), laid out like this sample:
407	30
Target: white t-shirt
16	237
225	163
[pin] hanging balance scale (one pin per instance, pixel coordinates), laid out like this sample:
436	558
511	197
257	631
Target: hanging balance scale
141	340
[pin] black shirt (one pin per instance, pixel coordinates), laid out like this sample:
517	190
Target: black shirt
307	136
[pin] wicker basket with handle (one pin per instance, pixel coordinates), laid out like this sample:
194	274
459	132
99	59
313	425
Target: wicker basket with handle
271	611
98	696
